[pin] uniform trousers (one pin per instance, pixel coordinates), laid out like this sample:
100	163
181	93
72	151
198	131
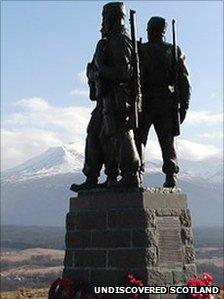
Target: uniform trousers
158	113
99	149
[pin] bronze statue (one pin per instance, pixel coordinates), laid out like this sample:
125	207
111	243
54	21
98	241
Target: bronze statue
99	148
165	95
117	131
110	76
114	65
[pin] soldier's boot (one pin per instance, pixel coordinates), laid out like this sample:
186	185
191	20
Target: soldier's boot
110	182
171	181
90	183
129	180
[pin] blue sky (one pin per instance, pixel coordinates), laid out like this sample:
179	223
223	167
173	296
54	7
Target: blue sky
45	46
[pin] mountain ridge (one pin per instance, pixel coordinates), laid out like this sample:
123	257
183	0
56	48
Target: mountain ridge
37	191
66	159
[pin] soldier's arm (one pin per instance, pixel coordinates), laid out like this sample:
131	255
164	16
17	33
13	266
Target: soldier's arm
121	69
91	76
183	81
92	72
184	87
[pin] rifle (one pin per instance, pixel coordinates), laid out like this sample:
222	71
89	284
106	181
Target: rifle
176	114
136	85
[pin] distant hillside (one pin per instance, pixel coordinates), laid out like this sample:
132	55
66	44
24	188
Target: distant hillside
208	236
30	268
37	191
22	237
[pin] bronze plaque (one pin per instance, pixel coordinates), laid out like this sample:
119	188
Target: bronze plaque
169	241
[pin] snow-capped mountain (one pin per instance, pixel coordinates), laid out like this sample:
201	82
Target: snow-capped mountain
37	191
56	160
208	169
65	159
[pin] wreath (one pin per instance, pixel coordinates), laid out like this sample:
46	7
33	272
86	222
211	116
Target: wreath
203	280
61	288
134	282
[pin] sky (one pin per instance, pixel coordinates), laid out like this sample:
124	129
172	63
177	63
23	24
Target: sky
45	47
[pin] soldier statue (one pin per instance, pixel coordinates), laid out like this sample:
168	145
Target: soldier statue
159	78
110	79
99	148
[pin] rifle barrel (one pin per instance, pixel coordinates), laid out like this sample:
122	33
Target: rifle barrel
136	71
176	93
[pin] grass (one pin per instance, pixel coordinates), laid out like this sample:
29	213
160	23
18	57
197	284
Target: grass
24	293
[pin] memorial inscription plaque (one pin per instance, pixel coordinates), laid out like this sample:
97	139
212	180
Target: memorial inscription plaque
169	241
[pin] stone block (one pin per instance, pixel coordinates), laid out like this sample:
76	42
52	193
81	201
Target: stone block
189	257
87	220
69	258
143	238
185	218
111	238
178	277
130	218
78	239
132	258
187	236
160	278
190	271
110	277
101	201
69	223
104	201
89	258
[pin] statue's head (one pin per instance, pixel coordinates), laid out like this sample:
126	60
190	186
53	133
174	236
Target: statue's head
113	16
156	27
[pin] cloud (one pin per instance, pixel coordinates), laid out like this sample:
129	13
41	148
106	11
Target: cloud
193	151
19	145
81	85
79	92
81	77
217	135
36	112
203	117
35	103
38	125
186	150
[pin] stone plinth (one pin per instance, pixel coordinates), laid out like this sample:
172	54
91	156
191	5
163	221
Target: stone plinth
112	234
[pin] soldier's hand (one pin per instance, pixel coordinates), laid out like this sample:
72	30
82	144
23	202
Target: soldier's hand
183	112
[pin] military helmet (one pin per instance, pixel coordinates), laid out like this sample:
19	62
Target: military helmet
156	25
114	8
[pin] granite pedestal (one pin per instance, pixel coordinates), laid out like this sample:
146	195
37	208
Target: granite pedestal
112	234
